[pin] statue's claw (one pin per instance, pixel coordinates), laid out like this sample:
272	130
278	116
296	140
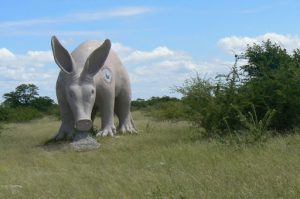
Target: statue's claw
109	131
127	129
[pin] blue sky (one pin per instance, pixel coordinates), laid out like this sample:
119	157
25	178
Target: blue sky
160	42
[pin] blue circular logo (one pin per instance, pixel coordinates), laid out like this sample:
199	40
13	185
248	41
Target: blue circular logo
107	75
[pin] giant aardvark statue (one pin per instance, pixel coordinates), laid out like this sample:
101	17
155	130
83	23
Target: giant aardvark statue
92	78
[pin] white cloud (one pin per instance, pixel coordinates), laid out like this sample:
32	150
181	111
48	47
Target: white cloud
77	17
156	64
39	58
238	44
6	54
129	11
119	12
155	71
152	72
31	67
30	59
123	51
159	52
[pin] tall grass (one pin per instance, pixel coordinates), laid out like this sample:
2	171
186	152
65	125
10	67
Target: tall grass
162	161
257	130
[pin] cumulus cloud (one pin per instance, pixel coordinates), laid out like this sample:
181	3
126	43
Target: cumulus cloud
30	59
31	67
6	54
159	52
155	71
238	44
152	72
156	64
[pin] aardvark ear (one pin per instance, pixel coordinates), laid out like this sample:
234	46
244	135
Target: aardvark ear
61	56
97	59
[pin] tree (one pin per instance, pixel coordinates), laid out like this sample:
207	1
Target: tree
42	103
266	60
22	96
11	99
273	82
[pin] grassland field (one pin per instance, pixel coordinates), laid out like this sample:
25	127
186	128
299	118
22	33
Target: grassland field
164	160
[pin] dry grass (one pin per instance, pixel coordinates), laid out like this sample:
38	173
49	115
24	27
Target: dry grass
162	161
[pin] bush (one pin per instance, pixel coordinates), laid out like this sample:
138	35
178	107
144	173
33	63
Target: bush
25	104
172	110
18	114
163	108
138	104
210	105
54	111
273	82
43	104
264	93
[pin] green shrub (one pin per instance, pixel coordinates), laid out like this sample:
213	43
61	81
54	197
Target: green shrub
138	104
273	82
24	114
54	111
257	130
3	113
210	104
262	95
172	110
43	104
25	104
162	108
18	114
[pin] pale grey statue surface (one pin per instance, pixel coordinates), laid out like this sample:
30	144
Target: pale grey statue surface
92	78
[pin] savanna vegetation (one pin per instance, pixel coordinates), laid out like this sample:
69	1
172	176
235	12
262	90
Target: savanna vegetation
256	100
233	136
24	104
165	160
250	103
